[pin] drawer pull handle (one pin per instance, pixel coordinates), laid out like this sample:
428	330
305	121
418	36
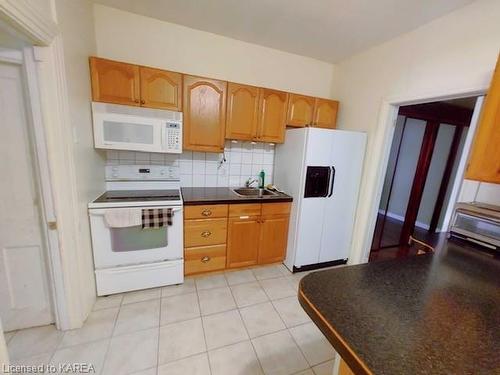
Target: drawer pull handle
205	259
206	212
206	233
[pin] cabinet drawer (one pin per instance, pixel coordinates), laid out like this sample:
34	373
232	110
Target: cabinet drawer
204	232
205	211
244	209
276	208
204	259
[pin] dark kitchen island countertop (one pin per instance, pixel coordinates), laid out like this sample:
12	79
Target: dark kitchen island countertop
427	314
223	195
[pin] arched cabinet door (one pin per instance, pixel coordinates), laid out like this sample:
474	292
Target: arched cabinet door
300	111
161	89
204	114
272	117
325	113
115	82
242	111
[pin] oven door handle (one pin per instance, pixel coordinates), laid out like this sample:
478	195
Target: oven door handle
102	211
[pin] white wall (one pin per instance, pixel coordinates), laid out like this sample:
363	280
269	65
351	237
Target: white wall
142	40
452	54
75	20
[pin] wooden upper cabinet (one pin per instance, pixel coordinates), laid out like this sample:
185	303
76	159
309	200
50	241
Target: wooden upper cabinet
300	110
115	82
272	116
161	89
242	111
325	113
204	114
484	162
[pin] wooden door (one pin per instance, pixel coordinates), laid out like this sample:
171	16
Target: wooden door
242	111
161	89
272	117
484	162
300	110
273	238
204	114
114	82
243	241
325	113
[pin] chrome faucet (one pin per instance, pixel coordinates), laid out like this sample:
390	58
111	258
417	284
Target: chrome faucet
249	182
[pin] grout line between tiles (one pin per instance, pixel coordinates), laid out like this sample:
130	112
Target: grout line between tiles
159	332
110	338
203	328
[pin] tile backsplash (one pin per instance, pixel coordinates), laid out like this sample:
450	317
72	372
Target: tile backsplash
243	160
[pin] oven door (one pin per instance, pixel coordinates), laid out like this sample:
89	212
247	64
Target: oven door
125	246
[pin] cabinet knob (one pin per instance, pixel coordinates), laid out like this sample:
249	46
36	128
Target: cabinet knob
136	100
206	212
206	233
205	259
143	102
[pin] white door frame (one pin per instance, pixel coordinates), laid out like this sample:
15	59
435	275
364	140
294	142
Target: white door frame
383	139
49	112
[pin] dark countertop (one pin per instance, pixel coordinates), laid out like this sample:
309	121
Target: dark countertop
222	195
426	314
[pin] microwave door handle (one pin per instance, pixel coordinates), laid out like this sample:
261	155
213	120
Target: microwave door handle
332	181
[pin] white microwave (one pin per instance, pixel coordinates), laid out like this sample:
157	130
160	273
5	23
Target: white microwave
120	127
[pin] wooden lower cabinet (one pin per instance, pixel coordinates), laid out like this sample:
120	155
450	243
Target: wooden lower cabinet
273	238
344	368
204	259
232	236
243	241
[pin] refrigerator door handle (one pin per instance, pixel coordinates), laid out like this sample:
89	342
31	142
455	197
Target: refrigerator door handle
332	181
329	182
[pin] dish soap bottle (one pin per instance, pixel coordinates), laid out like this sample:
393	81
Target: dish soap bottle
262	176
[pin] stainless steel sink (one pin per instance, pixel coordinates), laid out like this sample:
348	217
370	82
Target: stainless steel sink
253	192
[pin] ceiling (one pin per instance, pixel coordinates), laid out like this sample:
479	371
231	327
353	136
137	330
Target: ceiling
328	30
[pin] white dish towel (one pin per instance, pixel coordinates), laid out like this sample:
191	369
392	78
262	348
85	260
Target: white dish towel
123	217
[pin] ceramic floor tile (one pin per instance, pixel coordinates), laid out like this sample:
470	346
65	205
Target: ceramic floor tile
294	282
278	354
178	308
99	325
37	360
278	288
235	359
132	352
106	302
240	277
210	281
284	270
137	316
307	372
261	319
9	335
325	368
195	365
267	272
248	294
223	329
92	354
174	290
313	344
216	300
34	341
180	340
141	295
290	311
149	371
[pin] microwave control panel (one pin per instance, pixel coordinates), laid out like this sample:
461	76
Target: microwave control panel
173	137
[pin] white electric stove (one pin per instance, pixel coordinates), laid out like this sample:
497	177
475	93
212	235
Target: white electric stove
129	257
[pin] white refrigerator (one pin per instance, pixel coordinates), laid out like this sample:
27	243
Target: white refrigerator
321	169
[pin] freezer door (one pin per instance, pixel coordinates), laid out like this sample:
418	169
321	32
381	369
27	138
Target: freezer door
347	154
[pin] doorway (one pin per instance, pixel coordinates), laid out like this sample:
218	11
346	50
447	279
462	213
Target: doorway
425	153
24	277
